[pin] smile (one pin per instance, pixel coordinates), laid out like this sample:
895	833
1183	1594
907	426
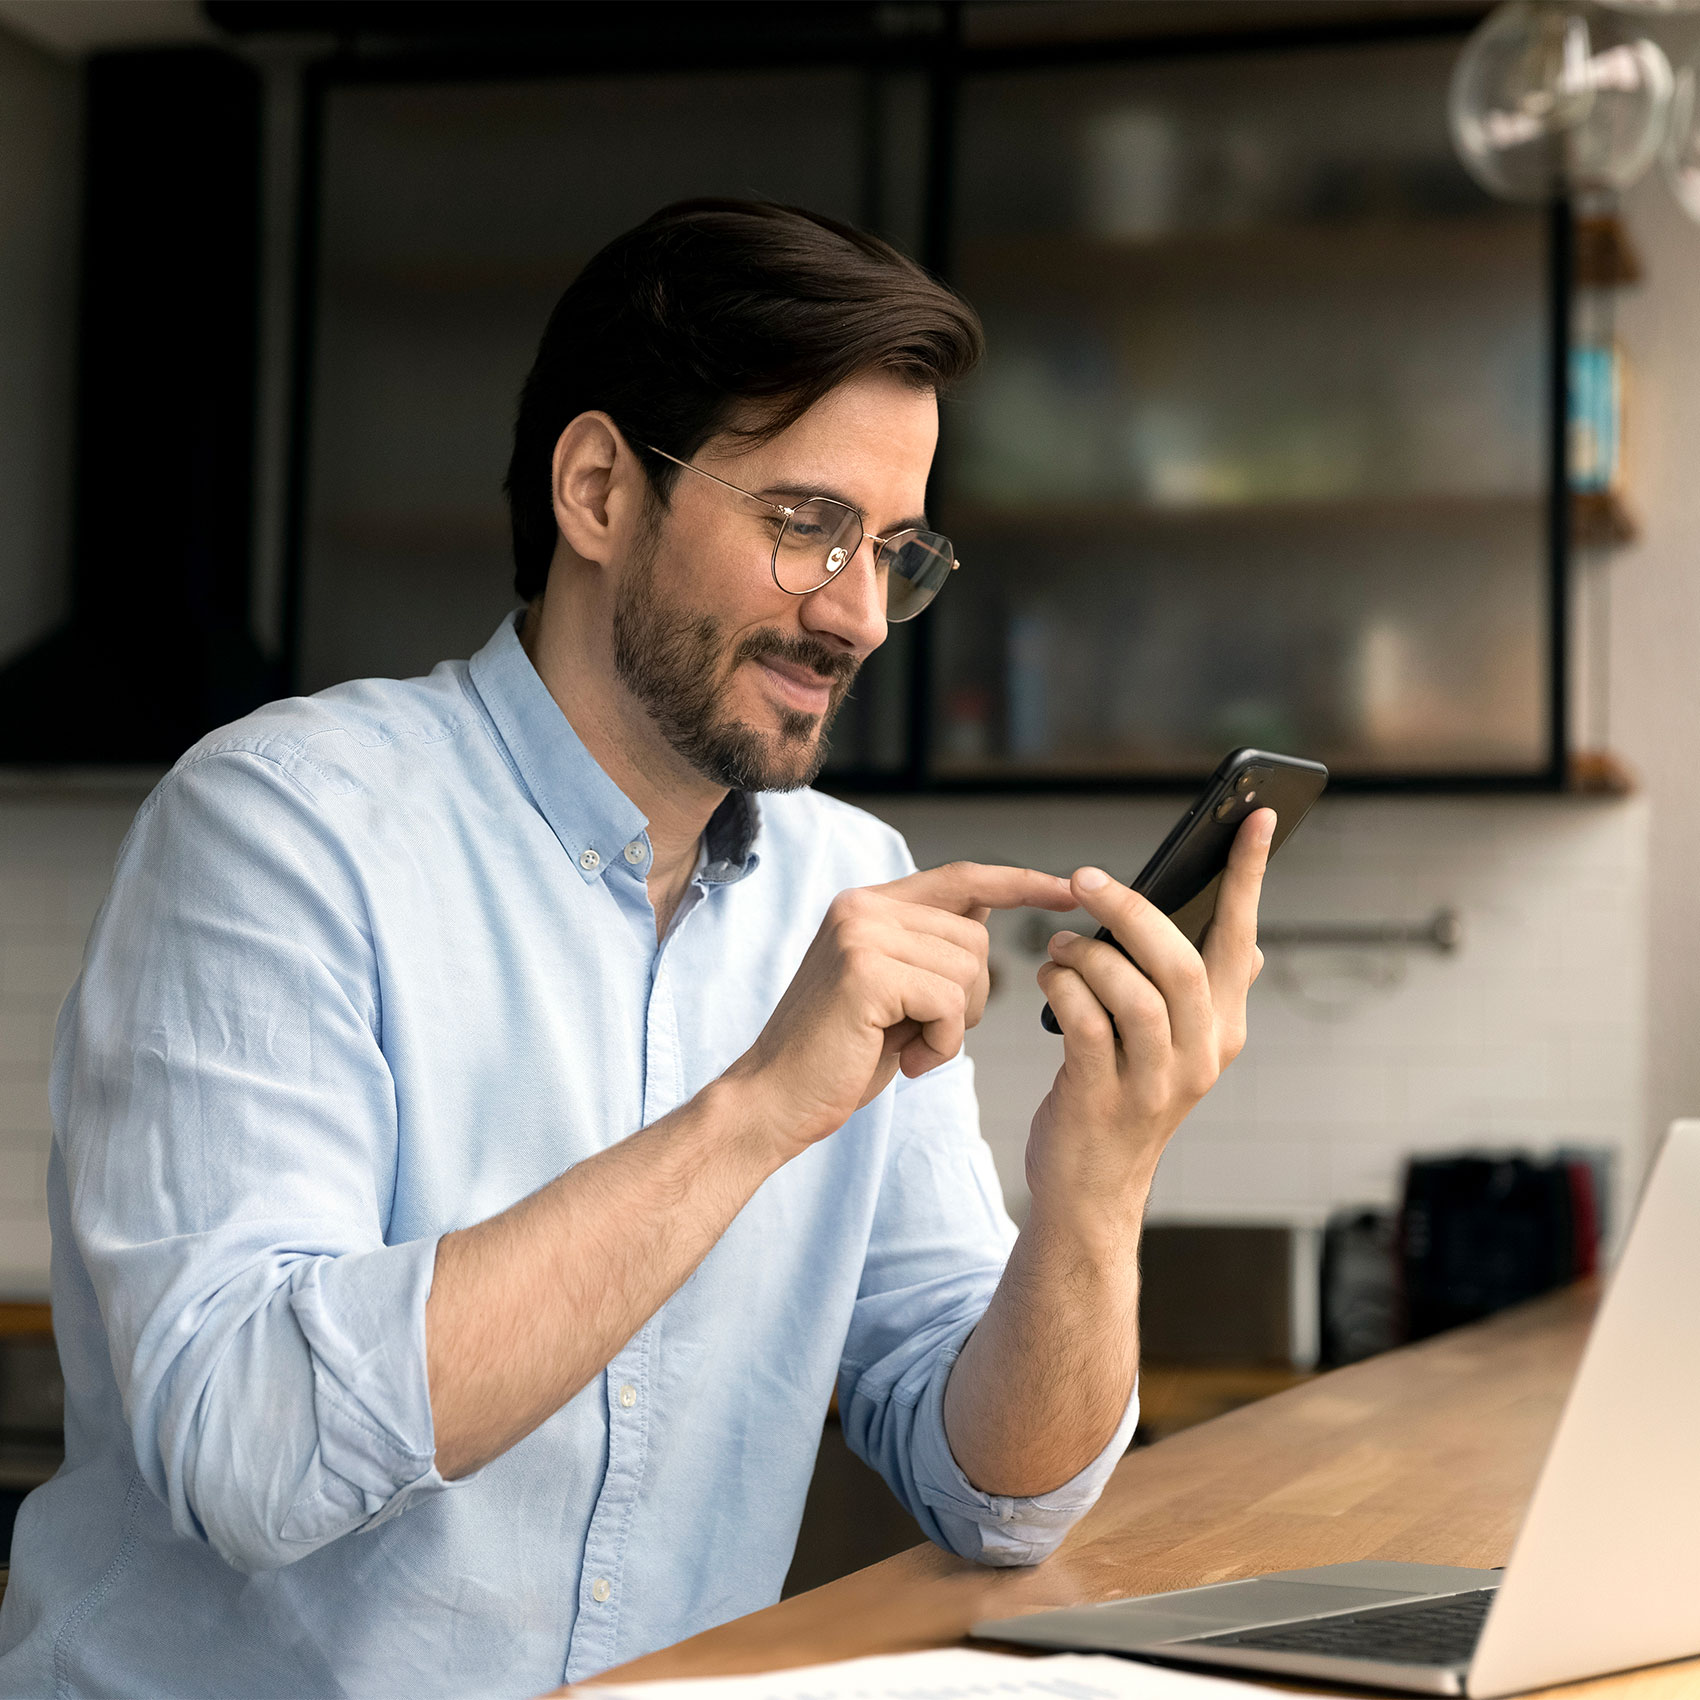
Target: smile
798	688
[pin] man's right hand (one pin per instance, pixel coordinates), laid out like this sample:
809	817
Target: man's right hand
894	979
528	1307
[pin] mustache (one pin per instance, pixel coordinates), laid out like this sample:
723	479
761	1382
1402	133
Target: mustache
830	664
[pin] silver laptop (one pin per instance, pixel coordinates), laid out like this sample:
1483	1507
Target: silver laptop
1605	1574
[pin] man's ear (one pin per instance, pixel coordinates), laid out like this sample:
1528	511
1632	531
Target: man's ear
597	486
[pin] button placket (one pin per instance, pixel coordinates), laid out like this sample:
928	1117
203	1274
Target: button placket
595	1639
663	1069
594	1644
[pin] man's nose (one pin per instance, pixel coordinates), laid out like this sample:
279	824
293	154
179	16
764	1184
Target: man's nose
851	604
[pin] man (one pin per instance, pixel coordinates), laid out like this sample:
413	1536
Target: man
511	1098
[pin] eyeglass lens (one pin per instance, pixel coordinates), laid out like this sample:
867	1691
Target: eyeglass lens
821	536
818	538
918	564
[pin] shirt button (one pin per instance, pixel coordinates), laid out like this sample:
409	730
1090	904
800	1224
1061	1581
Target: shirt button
599	1590
634	851
628	1396
590	861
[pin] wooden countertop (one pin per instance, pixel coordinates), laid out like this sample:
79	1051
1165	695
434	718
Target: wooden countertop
1429	1453
24	1321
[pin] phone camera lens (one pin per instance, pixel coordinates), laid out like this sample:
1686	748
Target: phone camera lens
1225	808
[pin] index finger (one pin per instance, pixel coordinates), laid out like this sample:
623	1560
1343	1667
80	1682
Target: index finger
964	887
1231	943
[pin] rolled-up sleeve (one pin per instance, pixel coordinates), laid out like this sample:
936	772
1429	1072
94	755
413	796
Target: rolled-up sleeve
229	1130
941	1238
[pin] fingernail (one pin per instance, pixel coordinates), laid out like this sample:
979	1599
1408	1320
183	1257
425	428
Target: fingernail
1265	825
1091	879
1063	936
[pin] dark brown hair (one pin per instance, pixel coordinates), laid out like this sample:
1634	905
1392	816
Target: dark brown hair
721	315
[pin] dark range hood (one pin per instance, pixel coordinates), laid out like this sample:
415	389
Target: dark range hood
157	649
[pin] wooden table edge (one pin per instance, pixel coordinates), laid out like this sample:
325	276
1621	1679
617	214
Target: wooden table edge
1429	1453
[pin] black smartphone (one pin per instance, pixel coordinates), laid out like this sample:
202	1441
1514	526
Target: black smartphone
1185	874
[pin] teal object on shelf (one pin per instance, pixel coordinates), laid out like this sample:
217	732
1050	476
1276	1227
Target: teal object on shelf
1596	406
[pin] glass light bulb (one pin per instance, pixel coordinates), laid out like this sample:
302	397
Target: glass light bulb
1555	96
1682	145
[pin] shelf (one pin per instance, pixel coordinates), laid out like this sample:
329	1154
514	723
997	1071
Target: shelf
1401	251
21	1320
1600	773
1424	512
1605	258
469	531
1600	519
1381	769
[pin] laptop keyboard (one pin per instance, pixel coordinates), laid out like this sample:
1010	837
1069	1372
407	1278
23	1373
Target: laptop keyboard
1428	1632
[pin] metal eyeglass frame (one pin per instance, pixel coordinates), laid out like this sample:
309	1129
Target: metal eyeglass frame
867	536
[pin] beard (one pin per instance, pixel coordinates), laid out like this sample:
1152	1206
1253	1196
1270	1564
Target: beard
680	666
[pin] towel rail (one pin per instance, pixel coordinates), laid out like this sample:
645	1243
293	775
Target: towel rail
1442	931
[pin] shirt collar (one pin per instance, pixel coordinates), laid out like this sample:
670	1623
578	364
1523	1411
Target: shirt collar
729	841
595	821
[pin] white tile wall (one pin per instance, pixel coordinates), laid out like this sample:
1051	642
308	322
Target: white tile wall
57	846
1532	1034
1653	595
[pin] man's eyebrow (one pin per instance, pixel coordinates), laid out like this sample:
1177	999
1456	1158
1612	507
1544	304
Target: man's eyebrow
793	493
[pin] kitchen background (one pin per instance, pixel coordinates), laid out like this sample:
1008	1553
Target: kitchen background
1264	452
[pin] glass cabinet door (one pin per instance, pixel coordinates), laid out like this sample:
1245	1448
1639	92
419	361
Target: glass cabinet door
453	214
1259	454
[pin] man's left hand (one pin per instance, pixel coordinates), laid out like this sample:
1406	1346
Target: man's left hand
1179	1020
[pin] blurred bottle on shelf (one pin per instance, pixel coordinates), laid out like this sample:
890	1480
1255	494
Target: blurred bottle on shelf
1596	417
1132	174
1029	686
966	735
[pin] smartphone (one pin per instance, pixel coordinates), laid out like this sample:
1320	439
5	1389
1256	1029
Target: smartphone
1185	874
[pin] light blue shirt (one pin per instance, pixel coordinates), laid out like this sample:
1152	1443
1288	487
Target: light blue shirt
376	964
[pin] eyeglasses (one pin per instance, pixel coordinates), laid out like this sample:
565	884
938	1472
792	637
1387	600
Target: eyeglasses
820	536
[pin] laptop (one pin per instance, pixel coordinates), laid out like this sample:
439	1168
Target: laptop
1605	1572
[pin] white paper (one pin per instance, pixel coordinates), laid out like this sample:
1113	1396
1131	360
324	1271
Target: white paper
954	1673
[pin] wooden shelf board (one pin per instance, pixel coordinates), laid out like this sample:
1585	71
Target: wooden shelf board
1397	251
1601	519
1431	511
1600	773
1605	257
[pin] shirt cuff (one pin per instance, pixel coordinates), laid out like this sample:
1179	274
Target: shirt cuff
363	1317
995	1528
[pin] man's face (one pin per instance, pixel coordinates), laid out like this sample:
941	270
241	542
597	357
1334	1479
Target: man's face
742	679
